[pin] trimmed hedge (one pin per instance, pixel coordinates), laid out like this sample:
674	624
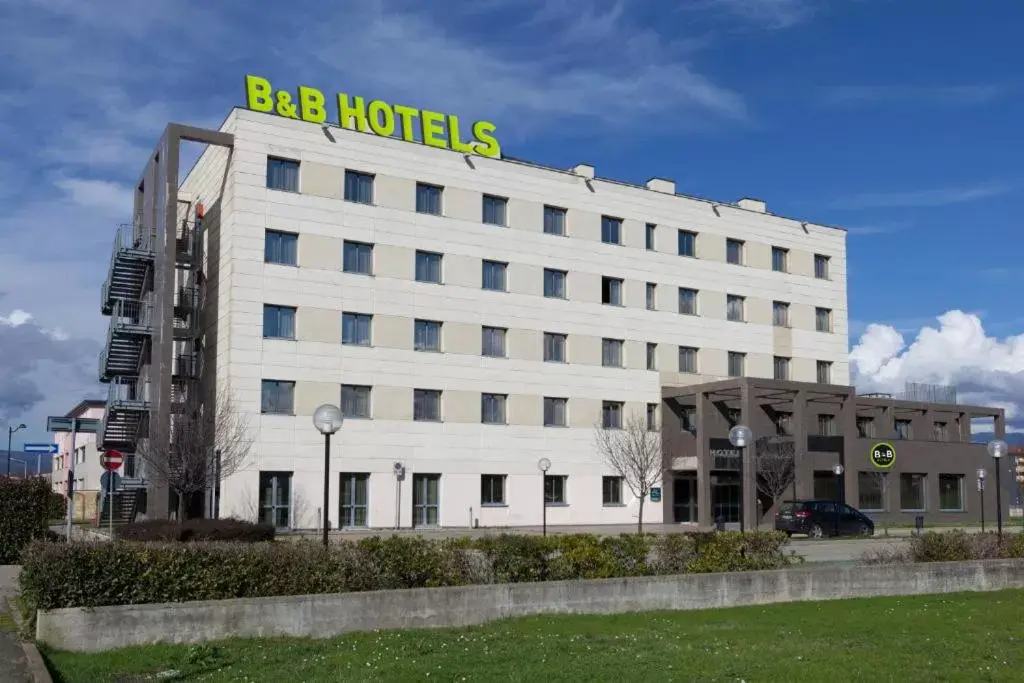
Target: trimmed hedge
197	530
950	546
26	506
95	574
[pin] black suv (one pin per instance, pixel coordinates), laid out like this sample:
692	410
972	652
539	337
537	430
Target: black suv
819	518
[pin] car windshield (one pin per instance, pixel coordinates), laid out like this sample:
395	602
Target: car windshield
788	508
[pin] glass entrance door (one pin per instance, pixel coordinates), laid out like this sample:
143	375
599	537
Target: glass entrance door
684	497
426	499
276	498
354	500
725	496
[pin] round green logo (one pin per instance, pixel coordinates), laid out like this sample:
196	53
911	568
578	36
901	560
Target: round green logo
883	456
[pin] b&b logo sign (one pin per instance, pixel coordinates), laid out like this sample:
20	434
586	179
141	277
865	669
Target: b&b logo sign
883	456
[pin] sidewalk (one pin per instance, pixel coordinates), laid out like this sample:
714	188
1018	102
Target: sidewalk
13	664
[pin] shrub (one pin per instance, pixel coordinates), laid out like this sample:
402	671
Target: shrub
94	574
949	546
25	507
197	530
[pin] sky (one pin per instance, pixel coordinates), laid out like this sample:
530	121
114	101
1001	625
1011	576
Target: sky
895	119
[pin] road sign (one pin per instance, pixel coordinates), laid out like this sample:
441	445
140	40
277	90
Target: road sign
110	481
111	460
655	494
50	448
883	456
86	425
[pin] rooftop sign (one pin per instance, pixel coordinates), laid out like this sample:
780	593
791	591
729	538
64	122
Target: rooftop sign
387	120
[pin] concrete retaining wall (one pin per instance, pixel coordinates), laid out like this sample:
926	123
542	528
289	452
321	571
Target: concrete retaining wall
105	628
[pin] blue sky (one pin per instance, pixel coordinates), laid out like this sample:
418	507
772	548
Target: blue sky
897	119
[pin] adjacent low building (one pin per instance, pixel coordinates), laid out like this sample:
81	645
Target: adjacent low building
82	455
470	315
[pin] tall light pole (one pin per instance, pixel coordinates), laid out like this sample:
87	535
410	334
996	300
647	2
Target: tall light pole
740	437
837	470
981	495
327	419
544	465
10	437
997	448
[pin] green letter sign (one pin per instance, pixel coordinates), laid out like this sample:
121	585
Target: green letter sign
883	456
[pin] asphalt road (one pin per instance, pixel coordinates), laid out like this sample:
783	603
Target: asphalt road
843	550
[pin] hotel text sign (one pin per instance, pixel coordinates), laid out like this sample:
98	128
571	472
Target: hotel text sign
388	120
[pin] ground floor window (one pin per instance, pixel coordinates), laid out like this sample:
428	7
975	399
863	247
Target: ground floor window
276	498
492	489
354	499
951	492
826	485
871	488
611	490
684	497
426	499
554	489
912	492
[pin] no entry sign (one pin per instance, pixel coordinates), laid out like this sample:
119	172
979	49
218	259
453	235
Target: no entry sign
111	460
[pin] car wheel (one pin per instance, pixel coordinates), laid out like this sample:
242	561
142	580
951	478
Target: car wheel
816	531
866	530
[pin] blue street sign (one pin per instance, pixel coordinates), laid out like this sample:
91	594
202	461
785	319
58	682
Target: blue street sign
110	481
50	448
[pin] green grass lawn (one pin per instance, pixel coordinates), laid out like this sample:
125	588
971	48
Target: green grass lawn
964	637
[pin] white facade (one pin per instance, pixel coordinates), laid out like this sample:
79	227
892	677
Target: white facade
459	447
83	455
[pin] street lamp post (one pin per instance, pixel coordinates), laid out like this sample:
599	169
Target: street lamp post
837	470
997	449
981	495
327	419
10	436
740	437
544	465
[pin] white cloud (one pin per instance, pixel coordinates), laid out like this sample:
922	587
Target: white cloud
107	196
943	196
986	370
957	95
768	14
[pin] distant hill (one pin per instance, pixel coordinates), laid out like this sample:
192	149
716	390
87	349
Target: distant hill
1015	439
19	457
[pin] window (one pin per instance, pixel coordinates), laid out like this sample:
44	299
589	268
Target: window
611	414
611	353
354	499
282	174
871	491
781	364
493	342
281	247
940	431
865	427
554	283
355	328
277	397
355	401
688	419
428	199
611	291
652	356
554	411
651	291
492	489
554	489
426	405
554	220
276	499
687	359
649	236
428	267
780	314
426	335
358	187
826	425
687	301
278	322
904	429
492	409
734	308
821	268
737	363
734	252
687	243
357	258
823	319
783	423
780	260
652	417
951	492
554	347
611	230
494	276
611	490
912	492
494	210
824	372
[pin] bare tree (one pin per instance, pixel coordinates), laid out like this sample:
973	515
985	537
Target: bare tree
205	444
882	479
775	460
634	453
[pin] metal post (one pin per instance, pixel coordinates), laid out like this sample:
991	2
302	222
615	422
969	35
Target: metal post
743	502
71	477
398	502
327	483
981	494
544	504
999	502
10	436
110	504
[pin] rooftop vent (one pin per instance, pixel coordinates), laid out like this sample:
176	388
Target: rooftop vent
752	205
661	185
585	170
